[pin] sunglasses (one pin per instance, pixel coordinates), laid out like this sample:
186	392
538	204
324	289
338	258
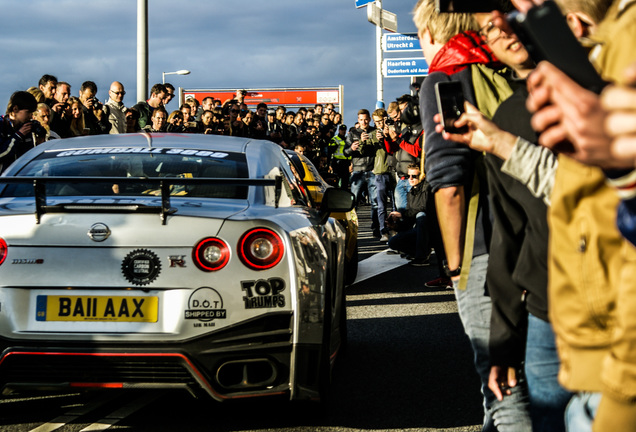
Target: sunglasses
118	93
413	176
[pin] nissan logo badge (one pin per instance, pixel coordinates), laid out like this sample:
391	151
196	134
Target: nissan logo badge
99	232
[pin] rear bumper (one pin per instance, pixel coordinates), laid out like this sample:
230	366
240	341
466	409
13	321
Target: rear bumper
252	359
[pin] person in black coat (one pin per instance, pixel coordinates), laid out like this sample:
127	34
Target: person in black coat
412	236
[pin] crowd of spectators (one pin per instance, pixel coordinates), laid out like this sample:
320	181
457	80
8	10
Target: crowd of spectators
57	114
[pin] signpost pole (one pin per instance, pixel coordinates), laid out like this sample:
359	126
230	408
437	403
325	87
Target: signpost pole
380	57
142	50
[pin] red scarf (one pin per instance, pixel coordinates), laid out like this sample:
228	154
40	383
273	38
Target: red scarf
461	51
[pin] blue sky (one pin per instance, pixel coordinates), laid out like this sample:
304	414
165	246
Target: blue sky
226	44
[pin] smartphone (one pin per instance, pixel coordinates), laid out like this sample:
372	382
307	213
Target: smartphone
546	35
468	6
450	104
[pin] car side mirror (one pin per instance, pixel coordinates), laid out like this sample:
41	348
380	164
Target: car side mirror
337	200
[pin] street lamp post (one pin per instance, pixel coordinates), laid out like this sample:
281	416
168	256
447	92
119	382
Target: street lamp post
179	72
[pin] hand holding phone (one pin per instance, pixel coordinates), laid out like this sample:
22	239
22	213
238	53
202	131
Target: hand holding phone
450	104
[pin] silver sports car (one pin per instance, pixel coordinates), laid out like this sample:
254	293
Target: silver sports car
169	261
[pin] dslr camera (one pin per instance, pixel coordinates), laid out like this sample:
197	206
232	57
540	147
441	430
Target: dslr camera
411	113
96	103
37	129
391	124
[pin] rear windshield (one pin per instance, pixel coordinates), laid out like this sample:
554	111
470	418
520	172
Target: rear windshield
138	163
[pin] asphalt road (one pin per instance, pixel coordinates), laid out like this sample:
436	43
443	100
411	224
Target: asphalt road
408	368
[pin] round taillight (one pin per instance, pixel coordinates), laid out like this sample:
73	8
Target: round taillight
211	254
260	249
3	250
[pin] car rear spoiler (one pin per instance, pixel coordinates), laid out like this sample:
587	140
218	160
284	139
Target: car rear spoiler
163	184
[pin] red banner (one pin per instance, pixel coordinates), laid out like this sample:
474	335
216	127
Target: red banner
274	97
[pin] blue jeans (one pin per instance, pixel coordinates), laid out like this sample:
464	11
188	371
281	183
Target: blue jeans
402	188
403	240
512	413
548	399
581	412
361	180
383	189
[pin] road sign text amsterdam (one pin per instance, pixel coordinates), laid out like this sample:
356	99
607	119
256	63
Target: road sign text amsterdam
400	42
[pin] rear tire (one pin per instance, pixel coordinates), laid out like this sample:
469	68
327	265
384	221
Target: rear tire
351	268
344	338
324	367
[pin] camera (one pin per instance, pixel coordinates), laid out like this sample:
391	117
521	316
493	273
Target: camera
391	124
37	129
96	103
411	112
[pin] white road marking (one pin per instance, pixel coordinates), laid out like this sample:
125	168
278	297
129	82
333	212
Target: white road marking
75	413
122	412
378	264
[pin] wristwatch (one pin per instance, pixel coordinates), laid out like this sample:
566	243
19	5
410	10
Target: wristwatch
452	273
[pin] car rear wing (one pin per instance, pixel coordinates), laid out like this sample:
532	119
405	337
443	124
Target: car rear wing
163	184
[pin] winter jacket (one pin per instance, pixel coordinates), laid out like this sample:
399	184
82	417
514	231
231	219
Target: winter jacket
447	163
407	148
362	159
12	143
116	116
592	268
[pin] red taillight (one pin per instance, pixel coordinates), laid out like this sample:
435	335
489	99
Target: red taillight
3	250
260	249
211	254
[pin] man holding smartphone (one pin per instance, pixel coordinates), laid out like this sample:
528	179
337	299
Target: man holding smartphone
363	160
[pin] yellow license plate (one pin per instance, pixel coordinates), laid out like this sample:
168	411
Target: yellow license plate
97	308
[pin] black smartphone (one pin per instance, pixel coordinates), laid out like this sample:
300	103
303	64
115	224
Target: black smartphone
450	104
544	32
467	6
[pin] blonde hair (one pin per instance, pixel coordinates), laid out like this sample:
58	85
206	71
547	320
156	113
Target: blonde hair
595	9
77	125
393	106
37	94
173	114
442	26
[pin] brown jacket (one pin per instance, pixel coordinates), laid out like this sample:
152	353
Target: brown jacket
592	269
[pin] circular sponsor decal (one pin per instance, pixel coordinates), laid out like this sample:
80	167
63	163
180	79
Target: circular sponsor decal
141	267
205	304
